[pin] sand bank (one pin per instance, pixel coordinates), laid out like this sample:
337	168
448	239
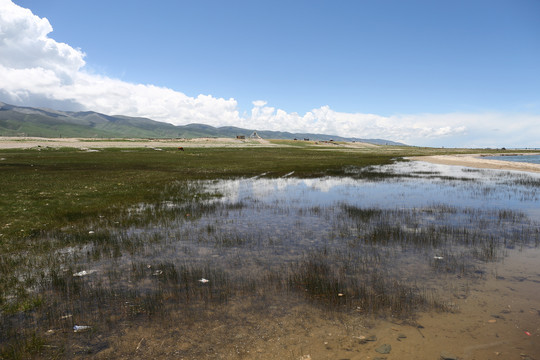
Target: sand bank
80	143
479	161
86	143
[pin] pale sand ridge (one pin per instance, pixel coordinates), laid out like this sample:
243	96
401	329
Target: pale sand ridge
80	143
7	142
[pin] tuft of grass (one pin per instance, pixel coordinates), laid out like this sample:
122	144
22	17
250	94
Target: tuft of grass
326	279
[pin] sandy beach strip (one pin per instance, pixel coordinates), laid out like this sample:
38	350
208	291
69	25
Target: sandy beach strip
7	142
479	161
83	143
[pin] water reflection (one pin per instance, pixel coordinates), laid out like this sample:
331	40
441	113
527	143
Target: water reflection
532	158
422	185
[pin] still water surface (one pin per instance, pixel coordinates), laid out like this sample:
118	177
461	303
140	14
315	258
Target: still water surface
533	159
470	236
422	185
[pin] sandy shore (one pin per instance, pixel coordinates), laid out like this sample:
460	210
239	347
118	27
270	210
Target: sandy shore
479	161
85	143
80	143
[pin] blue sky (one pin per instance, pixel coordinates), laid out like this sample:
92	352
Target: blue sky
436	73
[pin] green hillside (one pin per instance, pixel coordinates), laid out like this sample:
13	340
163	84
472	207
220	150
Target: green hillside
40	122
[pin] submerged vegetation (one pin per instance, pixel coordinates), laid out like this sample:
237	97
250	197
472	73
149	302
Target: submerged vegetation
96	243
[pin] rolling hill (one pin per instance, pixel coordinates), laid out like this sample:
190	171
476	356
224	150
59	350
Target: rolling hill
41	122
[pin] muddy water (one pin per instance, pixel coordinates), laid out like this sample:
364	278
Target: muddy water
465	241
499	319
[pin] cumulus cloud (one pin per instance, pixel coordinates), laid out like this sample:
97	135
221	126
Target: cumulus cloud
36	70
259	103
24	43
455	129
35	66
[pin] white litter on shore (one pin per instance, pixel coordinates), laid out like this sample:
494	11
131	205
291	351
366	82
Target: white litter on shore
81	328
84	273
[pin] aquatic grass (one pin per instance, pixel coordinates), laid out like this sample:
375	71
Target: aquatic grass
28	345
334	283
362	214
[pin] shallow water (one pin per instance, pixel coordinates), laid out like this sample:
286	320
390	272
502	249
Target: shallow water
467	237
448	257
533	159
429	185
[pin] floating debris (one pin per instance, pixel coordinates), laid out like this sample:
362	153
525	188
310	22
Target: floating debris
204	281
364	339
438	257
81	328
258	176
288	174
91	232
84	273
157	273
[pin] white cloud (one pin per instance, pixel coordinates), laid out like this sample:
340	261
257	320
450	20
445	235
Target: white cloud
24	43
34	65
259	103
456	129
36	70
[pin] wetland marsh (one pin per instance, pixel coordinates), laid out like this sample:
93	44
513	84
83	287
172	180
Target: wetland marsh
265	254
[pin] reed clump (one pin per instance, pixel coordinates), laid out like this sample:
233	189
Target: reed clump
325	279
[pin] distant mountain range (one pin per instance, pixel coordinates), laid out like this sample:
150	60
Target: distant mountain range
41	122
